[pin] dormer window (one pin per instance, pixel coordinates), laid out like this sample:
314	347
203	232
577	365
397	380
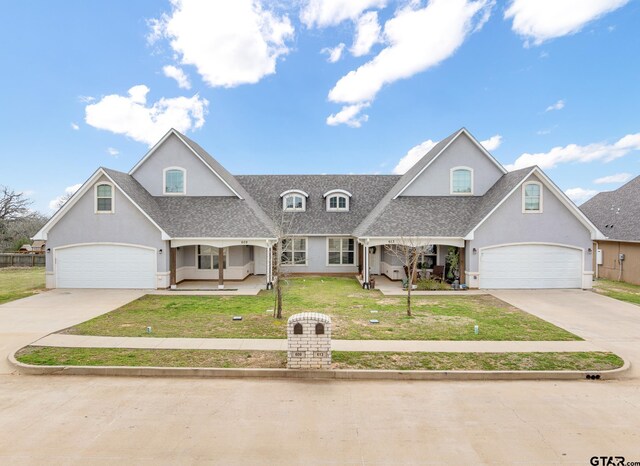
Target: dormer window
461	180
175	181
337	200
294	200
532	198
104	198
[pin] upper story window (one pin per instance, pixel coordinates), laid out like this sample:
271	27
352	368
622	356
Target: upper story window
294	200
104	198
337	200
462	180
175	180
532	197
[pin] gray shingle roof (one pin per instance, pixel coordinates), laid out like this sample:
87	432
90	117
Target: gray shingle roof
617	213
367	191
192	217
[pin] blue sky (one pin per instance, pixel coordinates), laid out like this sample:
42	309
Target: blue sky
266	87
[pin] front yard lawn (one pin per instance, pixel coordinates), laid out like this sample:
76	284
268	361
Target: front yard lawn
434	317
56	356
618	290
20	282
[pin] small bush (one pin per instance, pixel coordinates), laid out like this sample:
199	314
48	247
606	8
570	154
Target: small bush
429	284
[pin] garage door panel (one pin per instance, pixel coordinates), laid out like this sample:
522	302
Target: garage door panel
531	266
105	266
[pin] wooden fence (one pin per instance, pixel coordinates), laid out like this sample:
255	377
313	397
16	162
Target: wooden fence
22	260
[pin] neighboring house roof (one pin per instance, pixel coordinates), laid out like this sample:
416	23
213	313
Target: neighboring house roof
617	213
366	190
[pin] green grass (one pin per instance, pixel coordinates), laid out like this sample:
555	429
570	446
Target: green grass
434	317
618	290
55	356
20	282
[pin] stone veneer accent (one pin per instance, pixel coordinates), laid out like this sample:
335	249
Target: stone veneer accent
307	349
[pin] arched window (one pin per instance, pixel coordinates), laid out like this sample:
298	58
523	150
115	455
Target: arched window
337	200
319	329
294	200
104	198
175	180
297	329
532	197
461	180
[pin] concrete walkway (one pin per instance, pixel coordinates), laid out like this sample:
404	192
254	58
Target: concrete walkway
83	341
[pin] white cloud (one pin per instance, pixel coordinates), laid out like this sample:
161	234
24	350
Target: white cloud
335	53
581	154
541	20
367	34
580	195
55	204
113	151
492	143
417	39
348	115
229	43
74	126
559	105
413	155
130	115
617	178
323	13
176	73
86	99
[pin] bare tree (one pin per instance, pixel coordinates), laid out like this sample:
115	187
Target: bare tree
17	222
13	204
62	200
284	230
408	251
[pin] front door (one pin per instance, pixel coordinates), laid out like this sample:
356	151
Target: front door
374	260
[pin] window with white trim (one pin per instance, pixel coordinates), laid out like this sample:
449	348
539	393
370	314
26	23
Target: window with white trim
341	251
294	251
337	202
294	202
104	198
532	197
461	181
174	180
208	258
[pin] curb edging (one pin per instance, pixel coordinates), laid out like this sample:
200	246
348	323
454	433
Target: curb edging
331	374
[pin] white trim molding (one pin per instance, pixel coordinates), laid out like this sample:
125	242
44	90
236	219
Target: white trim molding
540	204
335	191
95	198
412	241
460	168
184	181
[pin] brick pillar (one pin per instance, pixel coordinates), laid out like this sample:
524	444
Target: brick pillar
220	267
463	275
172	267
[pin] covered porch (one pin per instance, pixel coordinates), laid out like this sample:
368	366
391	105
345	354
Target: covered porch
221	263
380	260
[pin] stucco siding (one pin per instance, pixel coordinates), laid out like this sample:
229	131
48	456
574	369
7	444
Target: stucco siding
127	225
435	180
555	225
200	180
317	259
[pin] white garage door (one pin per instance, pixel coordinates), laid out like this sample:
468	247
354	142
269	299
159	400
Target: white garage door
530	266
105	266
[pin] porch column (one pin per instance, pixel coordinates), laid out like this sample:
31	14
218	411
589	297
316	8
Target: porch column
269	265
365	271
220	268
461	264
172	267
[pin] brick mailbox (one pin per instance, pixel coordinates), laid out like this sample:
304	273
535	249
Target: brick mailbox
309	341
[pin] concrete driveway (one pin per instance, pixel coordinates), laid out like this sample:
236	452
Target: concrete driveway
107	420
25	320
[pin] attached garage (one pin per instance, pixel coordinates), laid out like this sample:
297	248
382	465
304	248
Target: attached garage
530	266
105	266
